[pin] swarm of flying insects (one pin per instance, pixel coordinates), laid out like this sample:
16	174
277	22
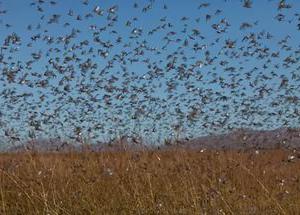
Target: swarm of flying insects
101	74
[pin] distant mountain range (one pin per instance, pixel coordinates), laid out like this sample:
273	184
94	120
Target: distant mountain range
249	139
285	138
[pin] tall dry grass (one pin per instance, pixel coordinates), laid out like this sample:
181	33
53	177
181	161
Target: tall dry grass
150	182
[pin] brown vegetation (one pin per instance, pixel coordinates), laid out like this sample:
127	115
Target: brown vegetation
173	181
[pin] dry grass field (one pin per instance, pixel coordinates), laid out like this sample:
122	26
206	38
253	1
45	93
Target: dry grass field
173	181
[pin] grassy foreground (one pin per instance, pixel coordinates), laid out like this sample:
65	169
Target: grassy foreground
150	182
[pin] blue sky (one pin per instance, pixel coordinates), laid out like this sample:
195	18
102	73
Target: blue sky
20	14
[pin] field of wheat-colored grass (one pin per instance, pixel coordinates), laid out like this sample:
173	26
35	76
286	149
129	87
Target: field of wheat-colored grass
173	181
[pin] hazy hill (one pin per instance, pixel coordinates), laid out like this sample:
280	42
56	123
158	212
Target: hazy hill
238	139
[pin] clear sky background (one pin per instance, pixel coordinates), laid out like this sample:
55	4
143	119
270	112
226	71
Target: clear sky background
162	115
